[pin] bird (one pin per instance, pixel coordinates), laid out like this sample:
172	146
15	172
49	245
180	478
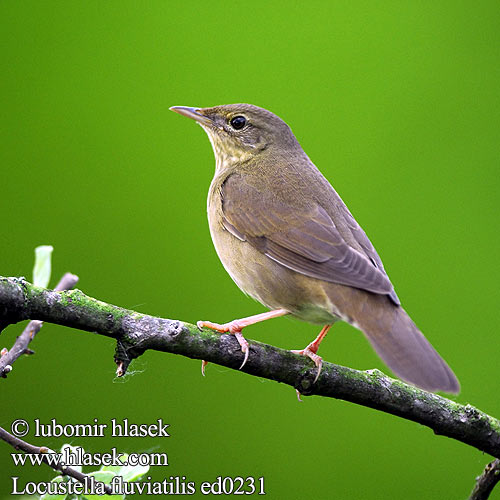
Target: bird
288	240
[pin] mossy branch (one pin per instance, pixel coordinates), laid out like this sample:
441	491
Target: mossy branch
135	333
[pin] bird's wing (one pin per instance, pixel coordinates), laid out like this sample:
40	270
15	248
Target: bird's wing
360	236
306	241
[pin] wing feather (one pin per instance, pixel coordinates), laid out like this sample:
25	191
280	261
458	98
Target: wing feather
305	240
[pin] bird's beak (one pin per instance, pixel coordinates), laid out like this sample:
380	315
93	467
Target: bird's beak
193	113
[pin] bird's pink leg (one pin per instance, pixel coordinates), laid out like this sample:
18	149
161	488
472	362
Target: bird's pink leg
311	351
234	327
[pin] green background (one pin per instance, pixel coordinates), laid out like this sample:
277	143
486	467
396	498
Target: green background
396	102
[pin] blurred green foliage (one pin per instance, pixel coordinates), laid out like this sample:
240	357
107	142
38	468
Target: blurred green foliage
396	102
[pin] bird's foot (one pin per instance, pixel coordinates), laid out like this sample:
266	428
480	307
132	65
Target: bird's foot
311	352
234	328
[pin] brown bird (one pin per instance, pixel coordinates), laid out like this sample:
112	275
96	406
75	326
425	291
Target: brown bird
287	239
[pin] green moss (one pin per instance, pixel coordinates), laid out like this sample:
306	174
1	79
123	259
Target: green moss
137	316
494	423
78	298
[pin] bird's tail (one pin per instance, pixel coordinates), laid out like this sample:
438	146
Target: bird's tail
399	342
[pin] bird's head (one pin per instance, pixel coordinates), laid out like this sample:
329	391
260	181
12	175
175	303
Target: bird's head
239	132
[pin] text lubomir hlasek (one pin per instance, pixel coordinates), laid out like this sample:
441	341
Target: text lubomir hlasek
118	428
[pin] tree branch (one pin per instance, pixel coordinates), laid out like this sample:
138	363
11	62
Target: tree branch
20	346
136	333
486	481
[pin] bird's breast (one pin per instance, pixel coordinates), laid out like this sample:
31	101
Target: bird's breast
263	279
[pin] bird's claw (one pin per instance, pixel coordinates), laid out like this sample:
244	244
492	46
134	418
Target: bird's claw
244	347
318	360
203	364
234	328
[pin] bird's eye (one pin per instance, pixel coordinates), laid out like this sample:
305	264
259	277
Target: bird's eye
238	122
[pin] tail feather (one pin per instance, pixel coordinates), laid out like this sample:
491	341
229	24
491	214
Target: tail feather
397	340
409	354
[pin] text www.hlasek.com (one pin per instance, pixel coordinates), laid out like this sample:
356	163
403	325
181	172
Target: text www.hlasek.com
78	457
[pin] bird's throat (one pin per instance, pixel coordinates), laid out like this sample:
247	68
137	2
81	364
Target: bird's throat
227	153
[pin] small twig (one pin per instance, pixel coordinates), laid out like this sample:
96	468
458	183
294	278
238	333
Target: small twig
486	481
19	444
20	346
